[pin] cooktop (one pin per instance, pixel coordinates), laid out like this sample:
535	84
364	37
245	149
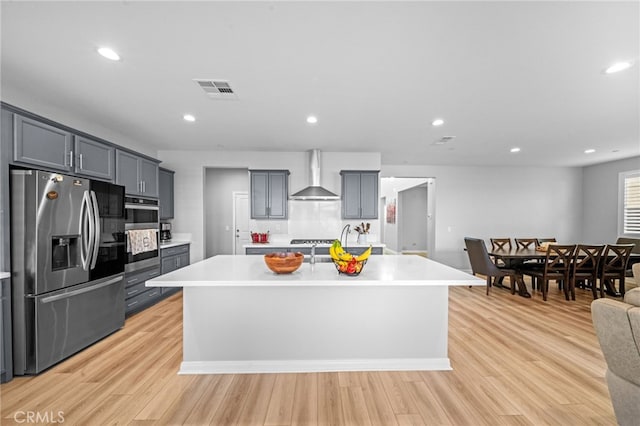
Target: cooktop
313	241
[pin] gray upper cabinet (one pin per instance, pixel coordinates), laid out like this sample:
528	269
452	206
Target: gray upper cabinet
165	178
138	175
269	194
94	159
359	194
40	144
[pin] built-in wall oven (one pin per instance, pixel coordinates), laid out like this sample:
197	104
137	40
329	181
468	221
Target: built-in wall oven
142	215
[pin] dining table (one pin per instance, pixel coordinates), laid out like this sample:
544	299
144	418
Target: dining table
514	258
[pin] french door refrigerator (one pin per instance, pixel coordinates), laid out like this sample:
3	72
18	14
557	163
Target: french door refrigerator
67	256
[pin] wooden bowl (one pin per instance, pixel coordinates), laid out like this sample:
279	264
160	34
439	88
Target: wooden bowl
283	262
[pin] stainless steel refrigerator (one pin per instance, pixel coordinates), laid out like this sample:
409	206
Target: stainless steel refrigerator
67	257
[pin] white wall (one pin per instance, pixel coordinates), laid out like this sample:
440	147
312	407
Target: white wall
389	188
600	199
487	202
218	213
189	181
412	217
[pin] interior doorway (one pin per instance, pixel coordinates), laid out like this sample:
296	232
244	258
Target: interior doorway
408	220
242	234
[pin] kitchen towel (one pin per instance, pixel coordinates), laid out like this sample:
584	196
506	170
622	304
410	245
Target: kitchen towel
142	240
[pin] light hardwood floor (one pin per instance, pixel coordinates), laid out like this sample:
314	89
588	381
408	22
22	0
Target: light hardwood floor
515	361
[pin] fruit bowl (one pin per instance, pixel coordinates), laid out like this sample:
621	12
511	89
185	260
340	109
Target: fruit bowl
352	268
283	262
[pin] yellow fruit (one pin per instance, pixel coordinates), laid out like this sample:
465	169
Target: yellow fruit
332	253
345	256
365	255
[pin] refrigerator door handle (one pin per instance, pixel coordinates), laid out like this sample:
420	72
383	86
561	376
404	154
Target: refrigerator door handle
95	216
85	232
82	290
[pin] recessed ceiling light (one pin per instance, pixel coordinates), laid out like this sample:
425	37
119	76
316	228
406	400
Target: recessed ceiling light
589	151
109	53
189	117
516	149
618	66
312	119
437	122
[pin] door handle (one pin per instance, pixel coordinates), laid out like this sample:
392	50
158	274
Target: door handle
96	218
81	291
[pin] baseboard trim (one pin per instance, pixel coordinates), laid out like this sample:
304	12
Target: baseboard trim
312	366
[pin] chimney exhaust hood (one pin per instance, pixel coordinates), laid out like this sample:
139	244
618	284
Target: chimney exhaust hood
314	192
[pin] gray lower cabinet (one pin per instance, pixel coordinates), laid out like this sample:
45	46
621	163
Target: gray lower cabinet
6	352
269	194
173	258
359	194
43	145
137	295
138	175
165	179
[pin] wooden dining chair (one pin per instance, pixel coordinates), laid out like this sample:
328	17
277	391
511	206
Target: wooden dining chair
584	268
499	244
613	267
482	264
556	267
526	243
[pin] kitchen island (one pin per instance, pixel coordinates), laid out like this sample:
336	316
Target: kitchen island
239	317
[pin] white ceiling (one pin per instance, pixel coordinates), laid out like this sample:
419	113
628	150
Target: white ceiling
501	74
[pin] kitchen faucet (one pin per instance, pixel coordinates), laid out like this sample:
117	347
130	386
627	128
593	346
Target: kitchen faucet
312	259
347	228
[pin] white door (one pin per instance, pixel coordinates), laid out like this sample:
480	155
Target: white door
242	234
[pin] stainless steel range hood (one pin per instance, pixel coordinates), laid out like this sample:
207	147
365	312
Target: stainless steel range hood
314	192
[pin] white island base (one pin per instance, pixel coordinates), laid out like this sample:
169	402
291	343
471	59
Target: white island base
239	317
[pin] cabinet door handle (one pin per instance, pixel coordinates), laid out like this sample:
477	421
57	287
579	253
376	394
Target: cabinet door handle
81	162
144	186
71	159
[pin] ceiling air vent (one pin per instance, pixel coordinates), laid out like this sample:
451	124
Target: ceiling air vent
216	89
443	140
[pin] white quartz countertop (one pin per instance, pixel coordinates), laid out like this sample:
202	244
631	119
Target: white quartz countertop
173	243
385	270
4	275
289	245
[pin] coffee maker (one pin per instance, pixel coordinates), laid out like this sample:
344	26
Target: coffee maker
165	231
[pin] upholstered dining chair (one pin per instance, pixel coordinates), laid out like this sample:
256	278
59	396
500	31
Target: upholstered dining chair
584	268
613	267
482	264
526	243
556	267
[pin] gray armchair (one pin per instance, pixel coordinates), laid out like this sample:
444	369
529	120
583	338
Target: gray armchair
617	326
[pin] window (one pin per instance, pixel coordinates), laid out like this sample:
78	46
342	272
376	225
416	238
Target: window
630	203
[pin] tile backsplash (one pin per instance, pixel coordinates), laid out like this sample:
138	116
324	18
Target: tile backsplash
311	219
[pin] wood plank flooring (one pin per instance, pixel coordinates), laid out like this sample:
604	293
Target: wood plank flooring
515	361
